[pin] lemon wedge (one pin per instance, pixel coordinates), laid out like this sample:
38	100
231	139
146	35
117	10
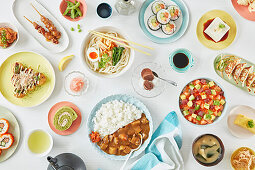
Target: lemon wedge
64	62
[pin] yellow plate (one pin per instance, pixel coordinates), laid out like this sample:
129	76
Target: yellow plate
36	62
14	130
227	19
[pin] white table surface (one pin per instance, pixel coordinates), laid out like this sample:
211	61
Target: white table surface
34	118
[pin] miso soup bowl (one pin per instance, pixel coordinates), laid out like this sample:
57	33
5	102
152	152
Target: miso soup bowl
219	158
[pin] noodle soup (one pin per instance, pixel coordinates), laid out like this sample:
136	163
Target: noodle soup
104	57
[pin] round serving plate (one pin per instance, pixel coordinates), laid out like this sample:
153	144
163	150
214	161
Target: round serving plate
158	36
127	99
236	130
14	130
227	19
37	63
243	11
75	125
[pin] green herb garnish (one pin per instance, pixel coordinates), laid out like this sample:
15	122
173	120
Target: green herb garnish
221	26
104	60
72	29
3	38
250	124
79	30
198	118
216	102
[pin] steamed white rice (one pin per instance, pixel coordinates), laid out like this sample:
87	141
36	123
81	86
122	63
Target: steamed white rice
113	116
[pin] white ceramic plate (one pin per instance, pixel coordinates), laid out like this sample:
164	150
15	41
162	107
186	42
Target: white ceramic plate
238	131
23	8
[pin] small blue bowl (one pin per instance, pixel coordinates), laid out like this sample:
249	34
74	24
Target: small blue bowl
104	10
188	54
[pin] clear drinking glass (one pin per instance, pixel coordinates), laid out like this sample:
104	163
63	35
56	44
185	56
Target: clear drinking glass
125	7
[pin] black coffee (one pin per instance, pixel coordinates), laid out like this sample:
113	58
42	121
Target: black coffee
180	60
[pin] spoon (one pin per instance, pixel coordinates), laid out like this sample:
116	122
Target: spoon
131	152
169	81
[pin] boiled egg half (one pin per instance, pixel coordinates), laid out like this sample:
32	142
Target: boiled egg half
93	54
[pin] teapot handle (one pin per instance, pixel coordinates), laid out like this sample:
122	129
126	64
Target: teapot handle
53	162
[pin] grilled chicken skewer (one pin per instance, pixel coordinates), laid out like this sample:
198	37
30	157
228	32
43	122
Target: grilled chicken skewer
49	25
46	34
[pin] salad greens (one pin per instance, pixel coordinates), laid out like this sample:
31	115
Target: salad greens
117	52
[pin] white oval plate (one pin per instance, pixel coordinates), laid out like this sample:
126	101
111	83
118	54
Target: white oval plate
23	8
236	130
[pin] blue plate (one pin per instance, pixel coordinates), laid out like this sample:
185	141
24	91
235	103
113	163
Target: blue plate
167	39
127	99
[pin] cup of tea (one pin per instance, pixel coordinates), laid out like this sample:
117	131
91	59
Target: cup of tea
104	10
181	60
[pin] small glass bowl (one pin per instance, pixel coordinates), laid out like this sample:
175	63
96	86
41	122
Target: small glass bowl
137	80
68	79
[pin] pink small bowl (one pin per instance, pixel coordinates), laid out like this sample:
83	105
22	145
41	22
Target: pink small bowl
83	8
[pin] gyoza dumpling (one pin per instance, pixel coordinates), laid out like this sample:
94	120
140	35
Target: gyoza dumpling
231	66
243	76
238	70
250	79
253	86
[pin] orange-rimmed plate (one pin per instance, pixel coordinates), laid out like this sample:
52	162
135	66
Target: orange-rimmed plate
75	125
243	11
227	19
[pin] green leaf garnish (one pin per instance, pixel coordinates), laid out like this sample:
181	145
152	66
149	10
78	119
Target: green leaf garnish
221	25
250	124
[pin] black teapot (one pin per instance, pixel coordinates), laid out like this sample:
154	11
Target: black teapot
66	161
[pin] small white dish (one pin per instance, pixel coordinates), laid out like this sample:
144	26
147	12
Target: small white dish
44	153
236	130
9	25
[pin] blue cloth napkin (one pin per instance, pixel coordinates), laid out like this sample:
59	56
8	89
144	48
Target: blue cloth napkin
163	152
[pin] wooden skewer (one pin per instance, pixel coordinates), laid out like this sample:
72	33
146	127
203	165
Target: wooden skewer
123	44
28	20
36	10
121	39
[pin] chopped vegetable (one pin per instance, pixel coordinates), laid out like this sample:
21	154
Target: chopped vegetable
94	137
104	60
3	38
221	25
78	26
79	30
202	104
250	124
72	29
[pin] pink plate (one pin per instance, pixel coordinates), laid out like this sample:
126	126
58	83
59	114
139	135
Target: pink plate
76	124
83	8
243	11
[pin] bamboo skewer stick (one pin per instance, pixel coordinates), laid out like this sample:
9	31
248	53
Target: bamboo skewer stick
36	10
123	44
121	39
28	20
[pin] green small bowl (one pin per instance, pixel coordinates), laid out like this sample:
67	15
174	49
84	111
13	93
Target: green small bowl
187	53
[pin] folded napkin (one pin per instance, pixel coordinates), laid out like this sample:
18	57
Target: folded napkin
163	152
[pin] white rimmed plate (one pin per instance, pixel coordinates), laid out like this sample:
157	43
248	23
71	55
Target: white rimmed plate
236	130
23	8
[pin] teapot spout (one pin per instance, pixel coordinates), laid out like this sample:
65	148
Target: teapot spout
53	162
